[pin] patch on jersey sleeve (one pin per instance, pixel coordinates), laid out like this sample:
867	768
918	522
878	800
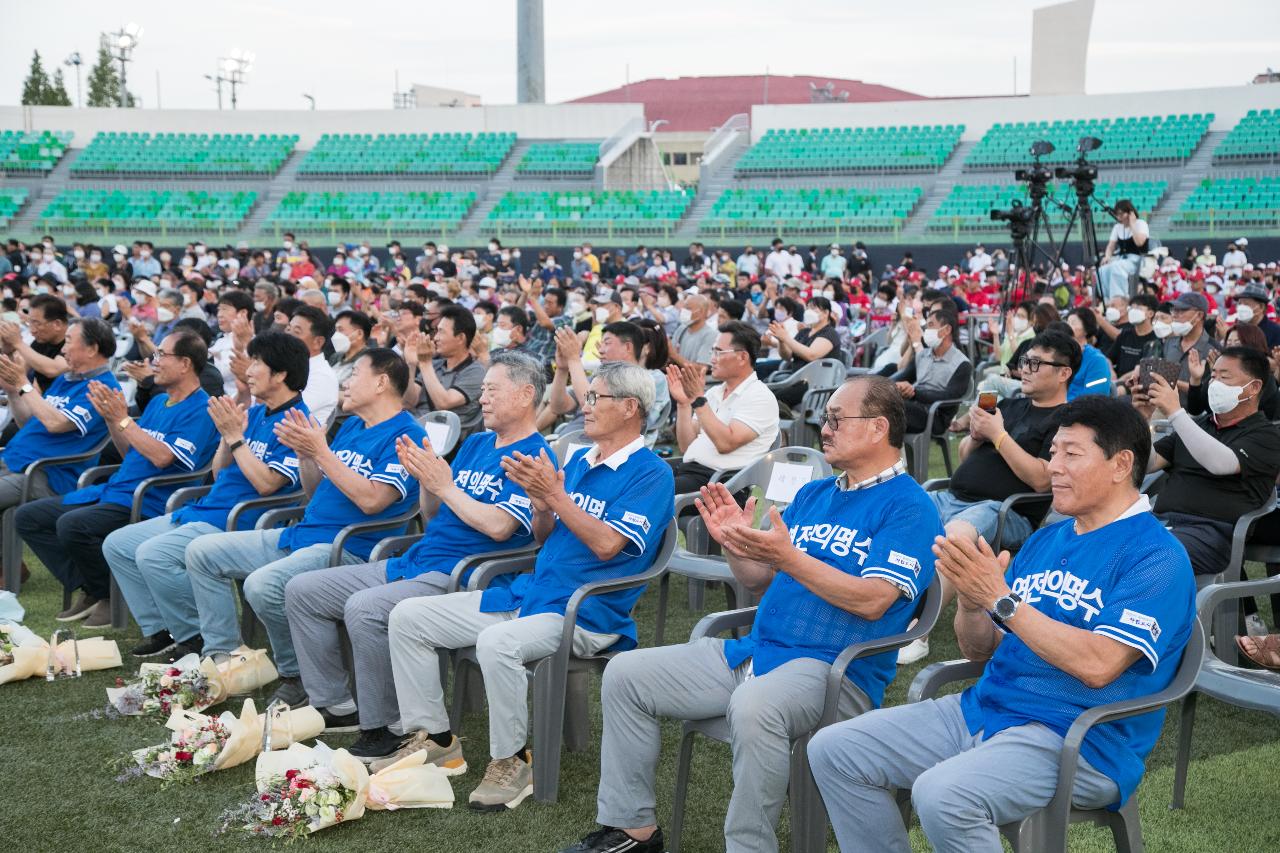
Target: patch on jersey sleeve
1141	620
906	562
637	519
396	468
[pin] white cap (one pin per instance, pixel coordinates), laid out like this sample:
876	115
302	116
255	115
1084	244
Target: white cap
489	282
145	287
1243	241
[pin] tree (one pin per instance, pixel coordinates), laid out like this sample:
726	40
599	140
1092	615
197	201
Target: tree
104	82
57	95
35	89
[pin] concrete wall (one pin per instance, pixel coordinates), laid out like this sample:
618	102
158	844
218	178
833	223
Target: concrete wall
548	121
1229	105
1060	47
639	168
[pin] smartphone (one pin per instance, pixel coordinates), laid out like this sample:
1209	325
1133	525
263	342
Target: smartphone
987	401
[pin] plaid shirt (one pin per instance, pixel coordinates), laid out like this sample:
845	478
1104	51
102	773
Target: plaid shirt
842	482
541	343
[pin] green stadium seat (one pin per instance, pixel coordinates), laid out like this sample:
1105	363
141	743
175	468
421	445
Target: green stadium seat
1137	140
11	201
1255	137
801	210
967	208
32	151
1231	202
190	210
605	212
111	153
559	159
850	150
413	154
411	212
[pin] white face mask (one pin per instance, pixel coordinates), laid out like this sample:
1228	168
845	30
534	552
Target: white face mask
1181	328
811	317
501	337
879	303
577	306
335	297
481	317
602	314
493	247
68	290
932	337
199	250
1137	315
686	316
1162	329
1020	324
164	315
829	294
288	244
341	343
259	307
1223	397
781	316
1244	313
79	253
1112	314
95	257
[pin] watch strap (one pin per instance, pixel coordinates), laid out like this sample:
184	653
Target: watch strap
698	402
235	445
123	423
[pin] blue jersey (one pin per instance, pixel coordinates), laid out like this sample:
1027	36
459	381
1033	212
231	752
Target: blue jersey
371	453
231	486
633	492
478	473
185	428
1130	581
884	531
33	441
1094	375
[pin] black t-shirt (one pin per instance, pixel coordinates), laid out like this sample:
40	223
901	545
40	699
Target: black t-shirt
1190	489
985	476
50	350
1129	348
805	338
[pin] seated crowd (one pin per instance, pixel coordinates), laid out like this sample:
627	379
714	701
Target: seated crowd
285	384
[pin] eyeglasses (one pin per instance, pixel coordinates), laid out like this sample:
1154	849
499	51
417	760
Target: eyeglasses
833	421
716	352
160	354
592	397
1032	364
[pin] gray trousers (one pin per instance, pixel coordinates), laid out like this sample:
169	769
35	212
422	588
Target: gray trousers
504	643
961	787
11	487
360	598
694	682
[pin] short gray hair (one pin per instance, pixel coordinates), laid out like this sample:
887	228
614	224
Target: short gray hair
171	294
624	379
522	369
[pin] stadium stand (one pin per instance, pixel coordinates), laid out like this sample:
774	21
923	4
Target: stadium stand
11	201
32	151
401	211
744	211
1231	201
1134	140
851	149
968	206
408	154
559	159
158	209
608	211
184	153
1255	137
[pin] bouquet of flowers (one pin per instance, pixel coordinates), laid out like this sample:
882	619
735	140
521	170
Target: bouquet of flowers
244	671
162	687
192	752
305	789
23	654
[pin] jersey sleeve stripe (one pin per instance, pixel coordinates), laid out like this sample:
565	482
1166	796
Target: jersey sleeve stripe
183	458
526	521
82	426
1131	640
629	533
290	474
898	579
392	481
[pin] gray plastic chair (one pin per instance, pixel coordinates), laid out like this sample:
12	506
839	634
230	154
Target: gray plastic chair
453	430
1046	830
695	563
1007	506
1254	689
565	441
560	713
917	443
808	814
823	373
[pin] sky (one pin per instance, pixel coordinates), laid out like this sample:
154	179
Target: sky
347	55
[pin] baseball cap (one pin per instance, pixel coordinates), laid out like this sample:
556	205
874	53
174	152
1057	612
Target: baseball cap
1254	290
1192	300
145	287
601	298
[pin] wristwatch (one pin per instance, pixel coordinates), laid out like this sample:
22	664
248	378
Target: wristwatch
25	389
1005	607
698	402
235	445
123	423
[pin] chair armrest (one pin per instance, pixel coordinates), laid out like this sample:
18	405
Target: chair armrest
140	490
587	590
491	569
96	474
276	517
933	677
393	546
686	500
340	541
473	561
937	484
839	668
934	407
279	499
1007	506
1208	598
51	461
714	624
182	497
1240	535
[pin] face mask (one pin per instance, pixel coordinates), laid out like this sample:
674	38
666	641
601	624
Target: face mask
1112	314
1223	397
42	288
48	244
119	259
96	257
107	304
186	262
164	315
288	244
339	261
1137	315
829	294
781	316
68	290
501	338
1181	328
606	291
1162	329
757	298
602	315
686	316
932	337
810	317
577	306
493	247
259	307
880	304
79	253
146	253
1244	313
664	302
341	343
199	250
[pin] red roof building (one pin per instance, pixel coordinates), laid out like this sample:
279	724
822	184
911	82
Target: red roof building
701	103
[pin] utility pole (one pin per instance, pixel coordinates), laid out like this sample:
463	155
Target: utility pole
74	59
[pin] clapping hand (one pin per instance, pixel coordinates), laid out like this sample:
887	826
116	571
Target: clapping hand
567	349
109	402
675	385
719	511
537	475
302	433
10	334
422	463
765	546
139	370
693	379
779	331
973	569
241	333
13	372
230	419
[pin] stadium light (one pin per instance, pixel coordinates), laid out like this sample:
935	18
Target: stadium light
75	60
126	40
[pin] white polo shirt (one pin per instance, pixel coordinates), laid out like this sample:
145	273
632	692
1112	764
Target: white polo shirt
321	393
752	404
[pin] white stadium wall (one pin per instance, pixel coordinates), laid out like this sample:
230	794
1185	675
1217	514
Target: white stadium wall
1228	105
546	121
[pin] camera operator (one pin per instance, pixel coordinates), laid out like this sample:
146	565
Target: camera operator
1130	240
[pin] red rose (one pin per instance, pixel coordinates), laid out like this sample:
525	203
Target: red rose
182	756
289	774
266	797
277	820
174	672
119	682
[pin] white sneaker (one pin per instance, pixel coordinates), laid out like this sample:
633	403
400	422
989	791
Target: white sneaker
916	650
1254	626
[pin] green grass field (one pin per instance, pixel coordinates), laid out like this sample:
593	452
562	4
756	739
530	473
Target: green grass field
60	794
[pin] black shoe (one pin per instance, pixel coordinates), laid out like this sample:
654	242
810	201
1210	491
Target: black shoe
607	839
192	646
374	744
340	723
156	644
290	691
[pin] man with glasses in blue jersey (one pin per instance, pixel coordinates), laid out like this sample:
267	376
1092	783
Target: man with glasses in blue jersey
148	559
1094	609
844	563
602	517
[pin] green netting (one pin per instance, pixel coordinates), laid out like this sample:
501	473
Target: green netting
408	153
184	153
1255	137
32	151
851	149
968	206
146	208
1142	139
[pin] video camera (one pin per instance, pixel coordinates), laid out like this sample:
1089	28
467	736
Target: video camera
1081	170
1017	213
